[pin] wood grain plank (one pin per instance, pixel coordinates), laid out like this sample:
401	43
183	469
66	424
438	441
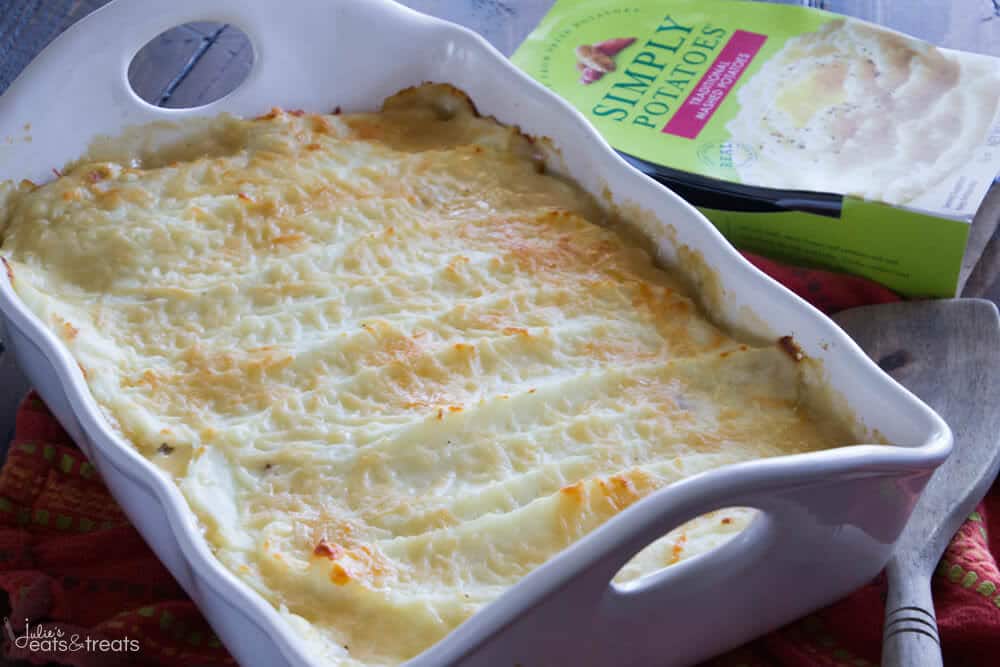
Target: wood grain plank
985	228
158	64
27	26
204	28
947	352
217	71
504	23
984	281
971	25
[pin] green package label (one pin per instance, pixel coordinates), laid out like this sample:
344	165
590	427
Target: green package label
671	68
925	263
774	99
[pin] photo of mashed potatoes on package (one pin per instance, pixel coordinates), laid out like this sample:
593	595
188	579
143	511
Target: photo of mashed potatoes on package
807	136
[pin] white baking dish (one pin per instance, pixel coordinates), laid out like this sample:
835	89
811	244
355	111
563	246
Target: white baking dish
828	520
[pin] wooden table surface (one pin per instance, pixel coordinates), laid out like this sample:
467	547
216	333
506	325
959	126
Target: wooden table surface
197	63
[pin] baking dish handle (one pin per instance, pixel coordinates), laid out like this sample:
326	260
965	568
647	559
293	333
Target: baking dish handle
801	532
711	572
296	43
304	57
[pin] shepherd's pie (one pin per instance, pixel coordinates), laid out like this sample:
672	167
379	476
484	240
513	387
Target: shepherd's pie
392	362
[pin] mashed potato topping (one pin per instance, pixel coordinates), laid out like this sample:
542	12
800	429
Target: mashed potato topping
392	363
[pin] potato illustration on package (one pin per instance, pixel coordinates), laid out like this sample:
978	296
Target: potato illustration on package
594	60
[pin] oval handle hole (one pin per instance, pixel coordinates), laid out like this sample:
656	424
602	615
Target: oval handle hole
693	540
191	65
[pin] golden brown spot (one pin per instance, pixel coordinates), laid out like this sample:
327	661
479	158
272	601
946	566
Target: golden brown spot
440	413
270	115
791	348
573	491
267	208
288	239
83	370
717	340
556	215
110	199
69	331
150	377
392	348
320	125
228	381
511	331
726	521
644	296
621	490
681	307
338	575
66	330
71	195
313	147
10	271
366	128
678	548
454	408
372	561
327	550
244	196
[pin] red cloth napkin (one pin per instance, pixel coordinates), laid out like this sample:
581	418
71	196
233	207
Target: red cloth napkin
75	570
78	573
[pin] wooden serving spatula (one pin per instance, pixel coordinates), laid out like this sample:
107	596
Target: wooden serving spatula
948	353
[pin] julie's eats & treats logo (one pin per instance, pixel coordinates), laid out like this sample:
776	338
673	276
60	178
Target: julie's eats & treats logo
52	640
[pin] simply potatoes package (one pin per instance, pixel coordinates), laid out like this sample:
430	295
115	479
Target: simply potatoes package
806	136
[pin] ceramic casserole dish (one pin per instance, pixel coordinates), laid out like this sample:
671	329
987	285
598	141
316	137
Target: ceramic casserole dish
827	521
